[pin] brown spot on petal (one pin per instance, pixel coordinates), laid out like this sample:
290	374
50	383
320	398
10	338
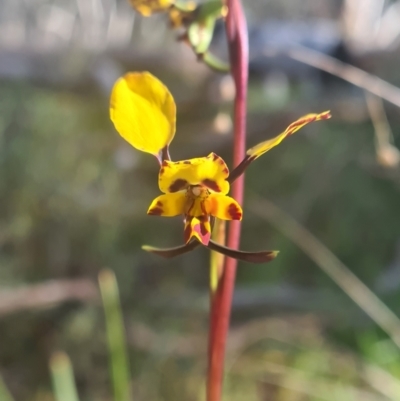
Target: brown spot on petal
203	233
212	185
234	212
156	211
203	228
162	170
187	162
225	170
159	203
177	185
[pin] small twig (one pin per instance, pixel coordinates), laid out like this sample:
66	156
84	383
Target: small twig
347	72
46	294
331	265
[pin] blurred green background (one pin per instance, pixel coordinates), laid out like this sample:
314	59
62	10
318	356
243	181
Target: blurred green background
74	195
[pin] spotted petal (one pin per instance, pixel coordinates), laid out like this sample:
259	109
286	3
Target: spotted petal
222	206
143	112
263	147
210	171
168	205
148	7
199	228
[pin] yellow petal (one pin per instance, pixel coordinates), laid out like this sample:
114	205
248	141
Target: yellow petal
210	171
199	228
143	111
168	205
263	147
222	206
147	7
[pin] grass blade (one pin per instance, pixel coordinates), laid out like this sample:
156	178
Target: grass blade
5	395
331	265
115	335
63	378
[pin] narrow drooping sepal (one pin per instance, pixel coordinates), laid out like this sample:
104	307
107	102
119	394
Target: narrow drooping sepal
256	151
172	252
251	257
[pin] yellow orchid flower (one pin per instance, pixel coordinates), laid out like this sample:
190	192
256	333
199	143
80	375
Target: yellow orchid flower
144	113
148	7
180	13
196	188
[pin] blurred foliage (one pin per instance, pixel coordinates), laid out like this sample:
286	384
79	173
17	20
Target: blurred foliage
73	198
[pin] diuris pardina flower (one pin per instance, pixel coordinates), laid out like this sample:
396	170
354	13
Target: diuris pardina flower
144	113
180	13
197	189
197	21
148	7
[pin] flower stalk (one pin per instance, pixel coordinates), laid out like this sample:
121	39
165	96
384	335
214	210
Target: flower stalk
221	301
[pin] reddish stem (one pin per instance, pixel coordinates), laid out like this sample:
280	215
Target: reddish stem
236	29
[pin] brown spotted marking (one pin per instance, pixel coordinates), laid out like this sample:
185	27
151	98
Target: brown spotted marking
156	211
234	212
203	227
299	124
177	185
211	184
